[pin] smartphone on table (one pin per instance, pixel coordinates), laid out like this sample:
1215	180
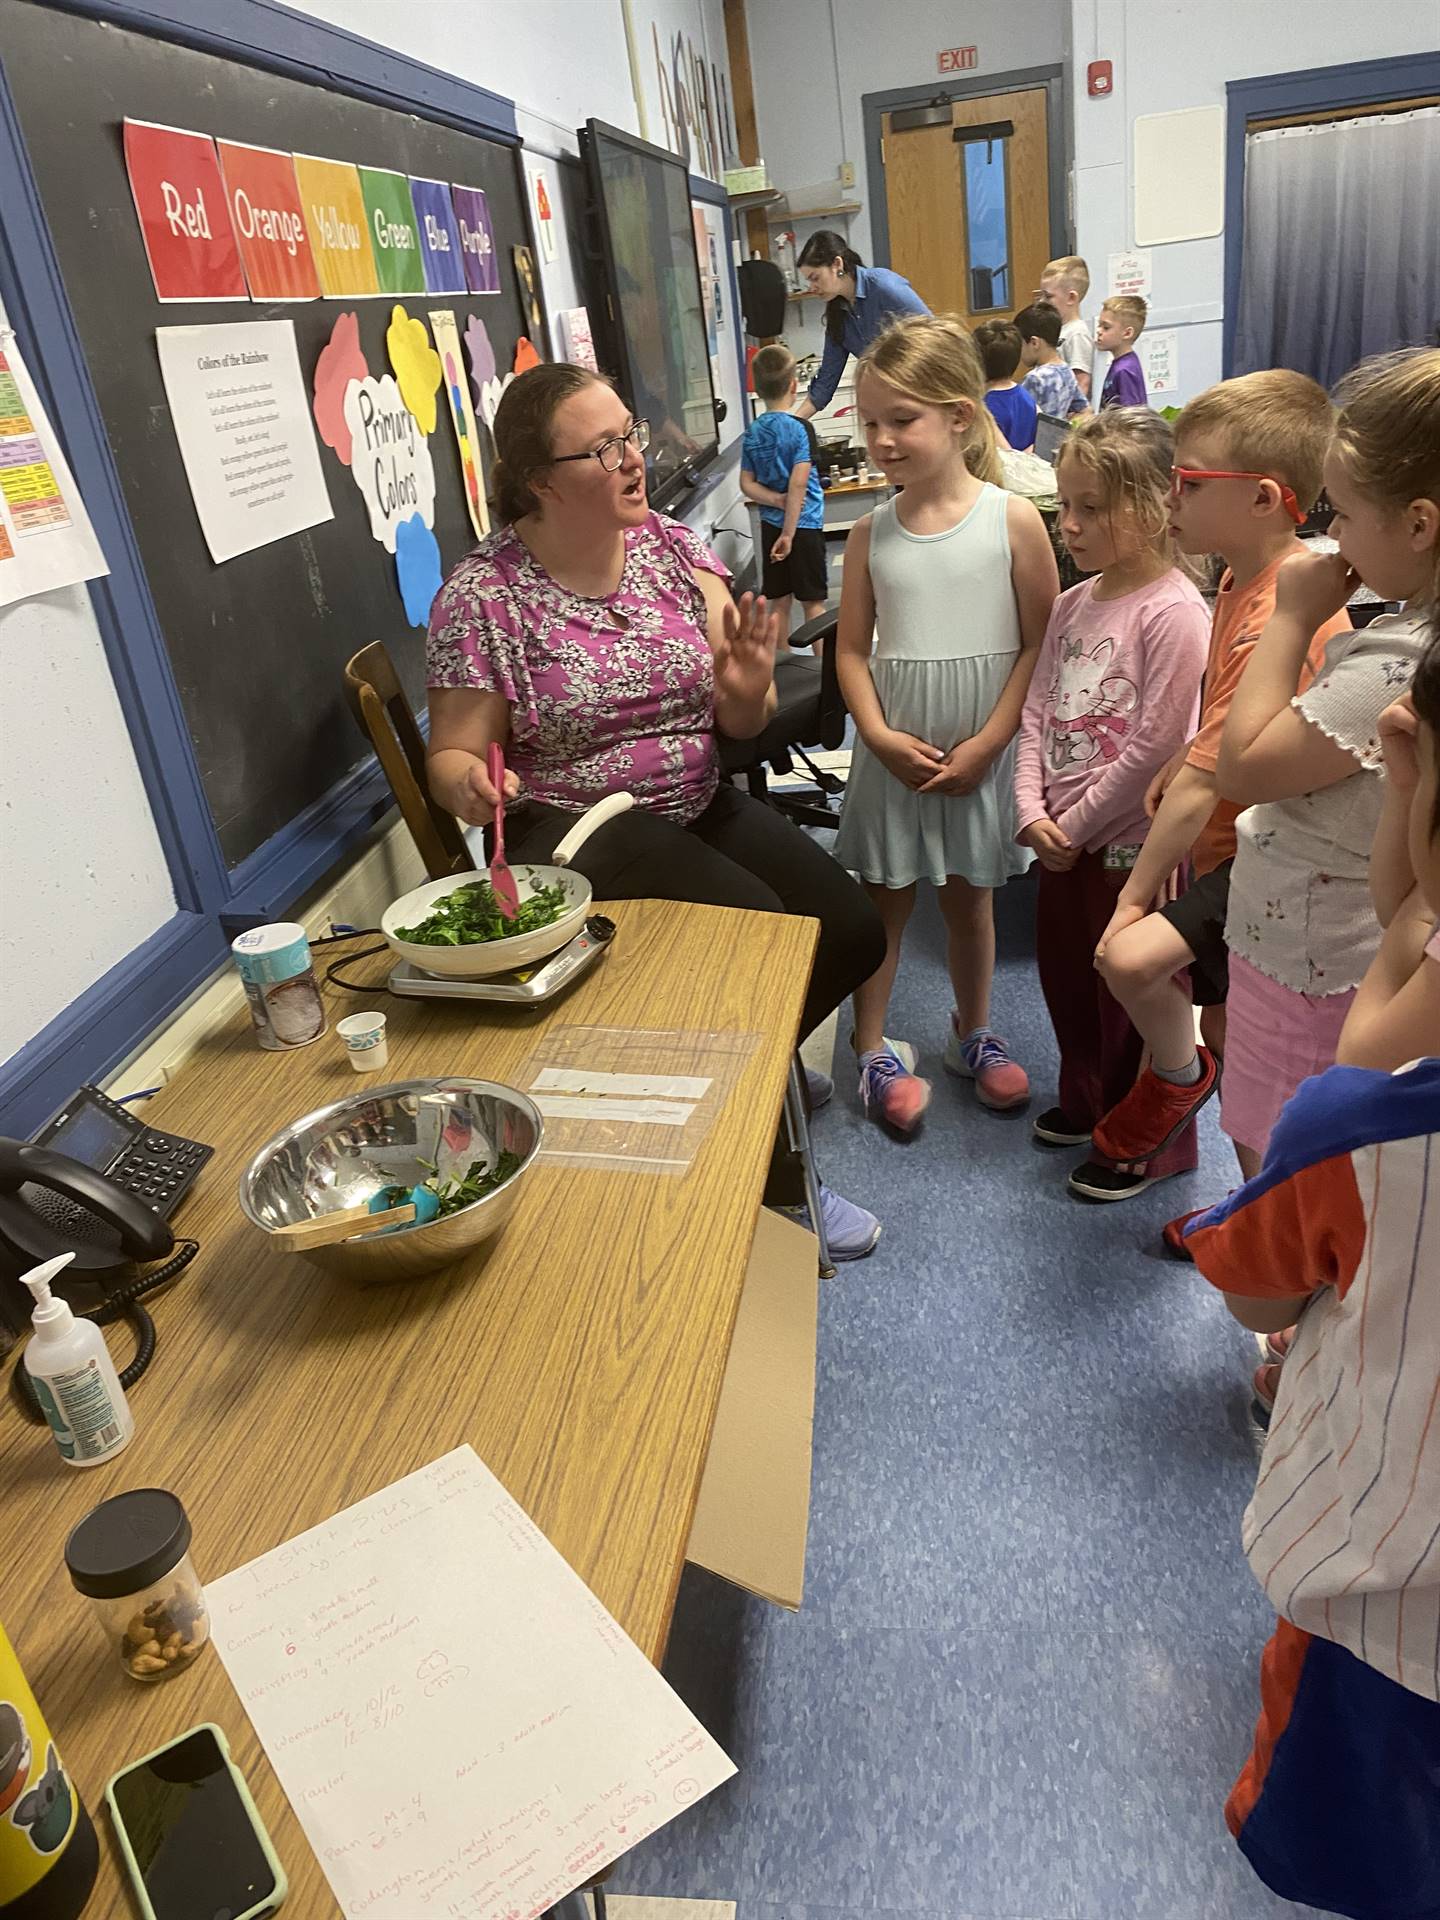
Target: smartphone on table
193	1845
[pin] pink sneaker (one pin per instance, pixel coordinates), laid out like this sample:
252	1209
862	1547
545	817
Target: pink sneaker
892	1092
982	1056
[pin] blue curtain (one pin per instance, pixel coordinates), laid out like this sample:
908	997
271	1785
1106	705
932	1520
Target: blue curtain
1342	243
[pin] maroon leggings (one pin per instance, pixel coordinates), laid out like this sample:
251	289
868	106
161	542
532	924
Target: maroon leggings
1100	1052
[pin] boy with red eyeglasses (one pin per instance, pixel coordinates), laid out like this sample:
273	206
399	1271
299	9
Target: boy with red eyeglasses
1248	460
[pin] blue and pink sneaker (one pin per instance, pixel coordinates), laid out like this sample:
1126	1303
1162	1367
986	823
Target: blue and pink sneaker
1001	1083
891	1090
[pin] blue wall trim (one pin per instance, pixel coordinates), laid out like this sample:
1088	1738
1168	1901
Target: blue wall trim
116	1014
96	1031
1269	96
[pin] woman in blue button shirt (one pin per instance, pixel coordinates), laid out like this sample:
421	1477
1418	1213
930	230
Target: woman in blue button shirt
863	301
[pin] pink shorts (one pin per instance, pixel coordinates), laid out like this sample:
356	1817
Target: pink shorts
1274	1039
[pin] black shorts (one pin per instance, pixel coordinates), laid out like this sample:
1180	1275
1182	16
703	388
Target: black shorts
1198	916
802	571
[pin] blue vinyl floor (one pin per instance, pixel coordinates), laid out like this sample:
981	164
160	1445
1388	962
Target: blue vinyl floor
1024	1677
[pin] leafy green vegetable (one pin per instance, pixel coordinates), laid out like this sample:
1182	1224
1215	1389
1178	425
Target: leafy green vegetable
471	915
454	1194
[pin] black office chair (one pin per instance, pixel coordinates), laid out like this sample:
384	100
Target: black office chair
810	713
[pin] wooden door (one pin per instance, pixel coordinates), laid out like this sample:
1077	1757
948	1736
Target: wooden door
970	219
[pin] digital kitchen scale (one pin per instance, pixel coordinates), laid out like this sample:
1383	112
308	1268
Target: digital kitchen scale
527	986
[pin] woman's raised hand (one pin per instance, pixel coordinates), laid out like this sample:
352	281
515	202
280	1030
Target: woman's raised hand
745	658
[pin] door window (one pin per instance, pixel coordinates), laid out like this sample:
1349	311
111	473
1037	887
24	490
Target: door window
987	223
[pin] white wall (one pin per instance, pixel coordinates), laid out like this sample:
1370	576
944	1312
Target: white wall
813	60
1170	54
83	879
560	60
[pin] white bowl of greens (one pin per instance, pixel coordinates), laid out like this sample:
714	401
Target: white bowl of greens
453	927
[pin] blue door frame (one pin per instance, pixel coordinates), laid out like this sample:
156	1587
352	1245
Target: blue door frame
1271	96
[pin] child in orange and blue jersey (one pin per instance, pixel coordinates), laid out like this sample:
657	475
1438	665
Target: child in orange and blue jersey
1339	1804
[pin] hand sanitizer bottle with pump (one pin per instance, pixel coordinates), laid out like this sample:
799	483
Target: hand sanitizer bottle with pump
75	1379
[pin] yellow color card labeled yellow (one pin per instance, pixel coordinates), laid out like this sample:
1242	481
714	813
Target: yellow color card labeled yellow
335	216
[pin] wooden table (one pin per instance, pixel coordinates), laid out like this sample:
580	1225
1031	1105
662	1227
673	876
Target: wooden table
581	1356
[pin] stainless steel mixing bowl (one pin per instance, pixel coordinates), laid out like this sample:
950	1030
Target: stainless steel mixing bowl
395	1136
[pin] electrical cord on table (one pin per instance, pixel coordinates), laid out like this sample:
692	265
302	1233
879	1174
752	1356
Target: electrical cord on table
333	973
122	1304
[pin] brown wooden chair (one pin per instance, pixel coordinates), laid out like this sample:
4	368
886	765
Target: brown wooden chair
384	714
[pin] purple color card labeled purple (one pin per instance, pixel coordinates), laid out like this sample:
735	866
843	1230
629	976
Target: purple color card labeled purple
439	236
477	239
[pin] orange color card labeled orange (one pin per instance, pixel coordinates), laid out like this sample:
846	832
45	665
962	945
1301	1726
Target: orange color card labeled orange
334	210
269	222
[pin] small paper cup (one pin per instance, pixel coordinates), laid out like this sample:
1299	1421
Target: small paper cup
365	1042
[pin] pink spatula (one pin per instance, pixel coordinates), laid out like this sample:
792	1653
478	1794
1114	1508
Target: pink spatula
502	881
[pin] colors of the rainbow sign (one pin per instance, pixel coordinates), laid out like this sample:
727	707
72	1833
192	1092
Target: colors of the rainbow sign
226	221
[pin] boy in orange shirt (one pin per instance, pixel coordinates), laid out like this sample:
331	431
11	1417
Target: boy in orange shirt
1248	461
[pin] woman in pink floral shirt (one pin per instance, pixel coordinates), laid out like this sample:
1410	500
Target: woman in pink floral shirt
599	642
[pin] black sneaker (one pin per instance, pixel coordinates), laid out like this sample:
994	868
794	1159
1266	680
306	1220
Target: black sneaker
1056	1131
1093	1182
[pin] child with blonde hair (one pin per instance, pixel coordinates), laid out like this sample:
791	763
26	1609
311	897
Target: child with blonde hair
1300	923
1116	691
1249	455
1121	323
954	579
1065	283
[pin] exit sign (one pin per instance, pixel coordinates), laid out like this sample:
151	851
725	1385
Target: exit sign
958	59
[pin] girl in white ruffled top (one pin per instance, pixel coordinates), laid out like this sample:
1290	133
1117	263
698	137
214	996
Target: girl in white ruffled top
954	580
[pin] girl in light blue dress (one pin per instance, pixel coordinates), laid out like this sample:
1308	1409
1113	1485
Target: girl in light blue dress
953	579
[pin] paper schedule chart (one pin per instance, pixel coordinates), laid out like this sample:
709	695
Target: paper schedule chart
27	480
458	1723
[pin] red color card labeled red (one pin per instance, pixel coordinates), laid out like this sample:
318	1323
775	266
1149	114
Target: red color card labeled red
269	222
184	219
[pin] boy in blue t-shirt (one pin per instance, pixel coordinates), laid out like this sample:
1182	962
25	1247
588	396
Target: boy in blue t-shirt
1049	380
777	470
1000	347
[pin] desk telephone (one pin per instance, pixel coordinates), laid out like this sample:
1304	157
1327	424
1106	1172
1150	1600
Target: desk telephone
95	1180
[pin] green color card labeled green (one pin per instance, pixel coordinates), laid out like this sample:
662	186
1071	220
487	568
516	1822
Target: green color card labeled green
394	238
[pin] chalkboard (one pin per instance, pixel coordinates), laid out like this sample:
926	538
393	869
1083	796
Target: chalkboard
258	644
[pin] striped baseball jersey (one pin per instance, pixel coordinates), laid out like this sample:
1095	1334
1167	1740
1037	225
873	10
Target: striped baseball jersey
1343	1531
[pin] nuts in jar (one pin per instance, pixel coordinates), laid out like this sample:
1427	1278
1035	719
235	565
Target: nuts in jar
130	1557
166	1633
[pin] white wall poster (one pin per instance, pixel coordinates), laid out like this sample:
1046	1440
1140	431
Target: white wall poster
240	412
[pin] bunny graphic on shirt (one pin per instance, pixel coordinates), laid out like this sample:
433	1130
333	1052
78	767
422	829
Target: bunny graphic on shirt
1088	707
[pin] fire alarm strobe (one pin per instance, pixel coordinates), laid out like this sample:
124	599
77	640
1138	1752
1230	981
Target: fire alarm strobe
1100	77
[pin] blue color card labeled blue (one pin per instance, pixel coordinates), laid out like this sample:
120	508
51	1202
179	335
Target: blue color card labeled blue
439	236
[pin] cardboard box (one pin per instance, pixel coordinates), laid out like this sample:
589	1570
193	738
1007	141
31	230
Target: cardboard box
747	179
753	1514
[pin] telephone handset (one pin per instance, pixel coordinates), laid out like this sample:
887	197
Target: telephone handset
51	1203
95	1181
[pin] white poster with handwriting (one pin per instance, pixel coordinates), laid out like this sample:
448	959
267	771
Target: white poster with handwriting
242	417
460	1726
390	457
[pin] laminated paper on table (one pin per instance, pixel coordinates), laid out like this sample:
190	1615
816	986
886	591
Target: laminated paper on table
459	1724
631	1098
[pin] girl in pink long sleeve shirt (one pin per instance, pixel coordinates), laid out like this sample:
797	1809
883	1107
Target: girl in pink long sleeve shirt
1115	694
